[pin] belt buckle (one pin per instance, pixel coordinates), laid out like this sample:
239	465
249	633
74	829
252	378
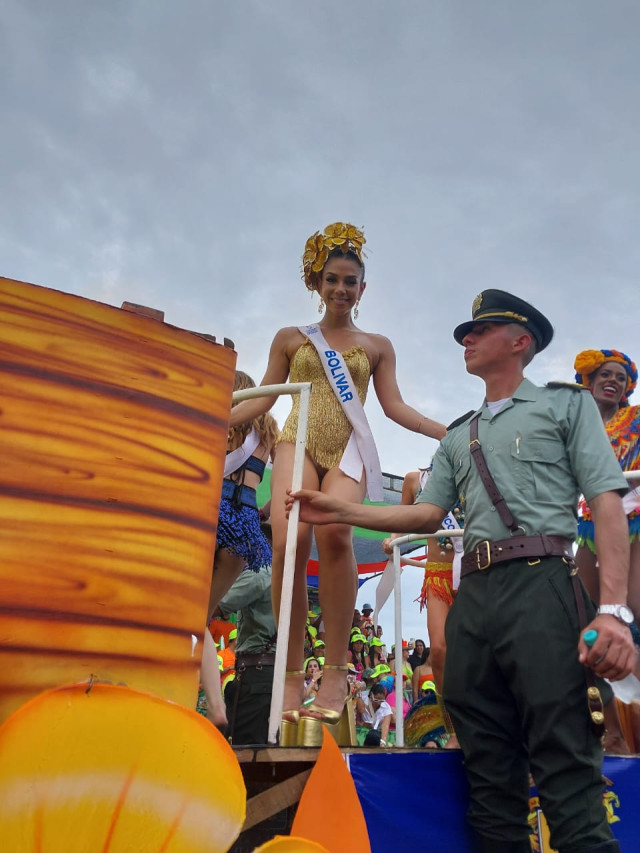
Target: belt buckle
480	567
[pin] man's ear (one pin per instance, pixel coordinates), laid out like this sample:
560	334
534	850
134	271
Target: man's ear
522	341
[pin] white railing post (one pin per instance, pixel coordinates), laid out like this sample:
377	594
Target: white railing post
288	576
398	562
397	599
284	617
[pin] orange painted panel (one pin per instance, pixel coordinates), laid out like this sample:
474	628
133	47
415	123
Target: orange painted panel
113	431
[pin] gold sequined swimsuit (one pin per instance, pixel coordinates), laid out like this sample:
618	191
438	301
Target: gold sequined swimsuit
329	429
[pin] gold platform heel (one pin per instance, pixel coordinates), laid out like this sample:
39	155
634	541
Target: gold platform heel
290	719
341	724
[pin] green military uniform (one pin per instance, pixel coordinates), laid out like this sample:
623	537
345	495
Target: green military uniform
513	683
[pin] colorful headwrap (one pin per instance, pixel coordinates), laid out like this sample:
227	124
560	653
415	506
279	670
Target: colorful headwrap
590	360
339	235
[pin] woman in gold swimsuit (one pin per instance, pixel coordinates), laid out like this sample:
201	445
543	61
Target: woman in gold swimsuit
333	267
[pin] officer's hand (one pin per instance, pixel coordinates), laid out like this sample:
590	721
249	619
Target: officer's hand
613	654
315	507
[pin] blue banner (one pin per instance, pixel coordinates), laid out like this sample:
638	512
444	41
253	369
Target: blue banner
418	801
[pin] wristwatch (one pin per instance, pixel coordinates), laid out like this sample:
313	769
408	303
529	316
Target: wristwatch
620	611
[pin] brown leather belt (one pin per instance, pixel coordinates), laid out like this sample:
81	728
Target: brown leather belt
262	659
515	548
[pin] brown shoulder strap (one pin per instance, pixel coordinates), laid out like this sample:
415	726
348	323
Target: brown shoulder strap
488	482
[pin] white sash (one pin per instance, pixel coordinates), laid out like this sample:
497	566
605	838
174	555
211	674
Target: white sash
361	449
451	523
238	457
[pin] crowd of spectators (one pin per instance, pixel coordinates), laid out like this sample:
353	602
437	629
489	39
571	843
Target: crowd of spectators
372	672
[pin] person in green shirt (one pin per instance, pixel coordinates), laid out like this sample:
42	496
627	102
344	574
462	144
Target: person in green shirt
248	696
515	682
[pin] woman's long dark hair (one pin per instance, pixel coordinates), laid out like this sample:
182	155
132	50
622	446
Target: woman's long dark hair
362	655
416	659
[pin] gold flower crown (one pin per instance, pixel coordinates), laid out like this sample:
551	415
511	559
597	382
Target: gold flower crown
339	235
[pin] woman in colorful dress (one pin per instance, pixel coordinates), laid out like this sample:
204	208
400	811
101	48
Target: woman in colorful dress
240	542
612	377
341	459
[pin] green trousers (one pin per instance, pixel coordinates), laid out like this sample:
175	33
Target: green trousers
517	697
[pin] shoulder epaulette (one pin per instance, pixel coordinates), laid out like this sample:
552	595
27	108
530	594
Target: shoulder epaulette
574	386
461	419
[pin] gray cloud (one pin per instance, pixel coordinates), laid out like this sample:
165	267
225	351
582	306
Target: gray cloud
179	156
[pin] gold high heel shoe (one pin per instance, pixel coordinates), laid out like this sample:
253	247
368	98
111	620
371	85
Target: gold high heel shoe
340	724
290	719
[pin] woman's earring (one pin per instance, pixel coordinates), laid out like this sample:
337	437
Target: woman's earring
321	306
355	310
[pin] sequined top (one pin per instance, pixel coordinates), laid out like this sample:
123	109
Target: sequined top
329	429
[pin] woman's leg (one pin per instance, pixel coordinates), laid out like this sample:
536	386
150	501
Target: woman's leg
437	612
280	482
338	587
210	678
226	569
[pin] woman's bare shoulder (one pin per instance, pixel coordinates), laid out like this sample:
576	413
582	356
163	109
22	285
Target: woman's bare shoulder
381	344
376	346
287	340
377	339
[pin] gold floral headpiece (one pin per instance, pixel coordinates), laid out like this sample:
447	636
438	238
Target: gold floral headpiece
339	235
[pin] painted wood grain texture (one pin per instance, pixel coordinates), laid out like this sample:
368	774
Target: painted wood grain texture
113	434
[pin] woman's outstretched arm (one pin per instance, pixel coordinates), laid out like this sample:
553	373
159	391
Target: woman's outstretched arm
388	393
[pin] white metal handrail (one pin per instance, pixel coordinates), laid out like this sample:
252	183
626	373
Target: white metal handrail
284	621
398	561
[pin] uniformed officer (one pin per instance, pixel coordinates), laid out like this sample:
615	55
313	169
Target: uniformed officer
515	684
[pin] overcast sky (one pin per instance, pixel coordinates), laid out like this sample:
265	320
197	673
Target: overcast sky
179	154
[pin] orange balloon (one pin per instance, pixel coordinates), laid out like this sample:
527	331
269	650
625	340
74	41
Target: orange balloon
106	768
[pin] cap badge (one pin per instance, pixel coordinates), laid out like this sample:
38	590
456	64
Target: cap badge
477	302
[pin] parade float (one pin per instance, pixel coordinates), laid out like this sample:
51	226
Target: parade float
114	427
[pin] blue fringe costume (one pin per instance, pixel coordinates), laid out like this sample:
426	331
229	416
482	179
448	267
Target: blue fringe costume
239	530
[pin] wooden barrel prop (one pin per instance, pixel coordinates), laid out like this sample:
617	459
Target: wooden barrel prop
113	431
